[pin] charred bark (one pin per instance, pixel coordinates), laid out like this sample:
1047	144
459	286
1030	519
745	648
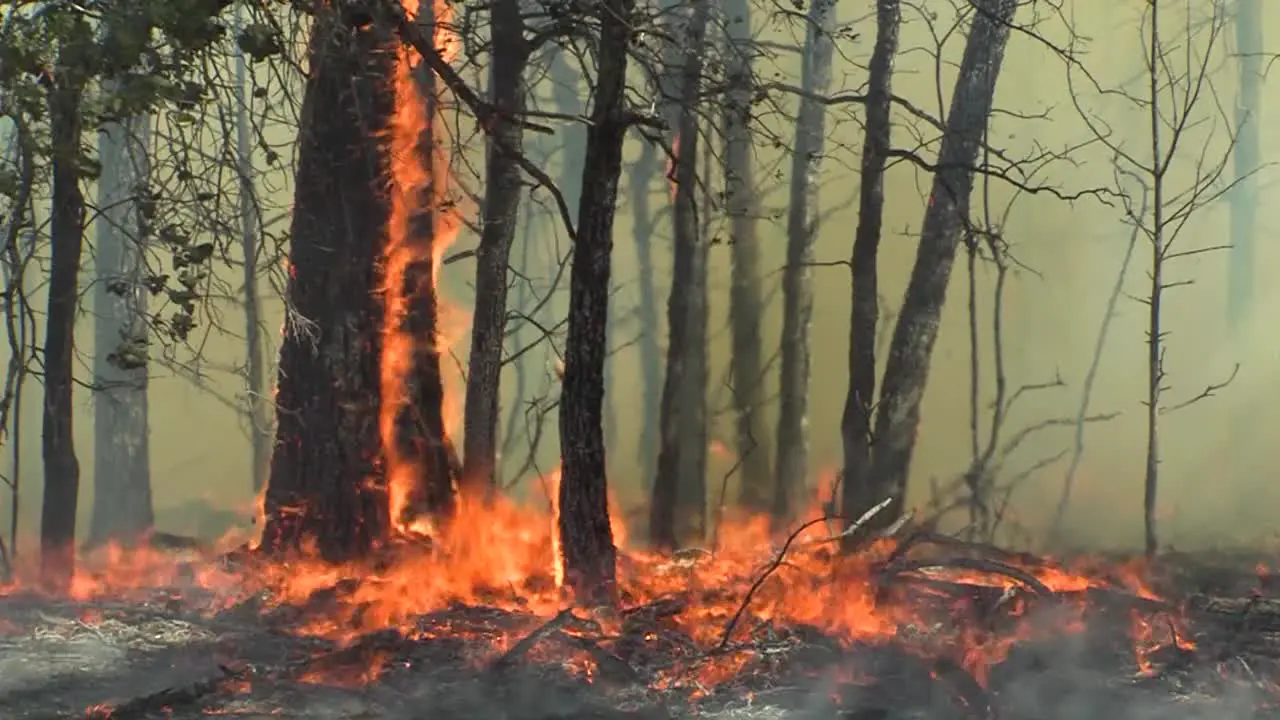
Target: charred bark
326	483
797	291
586	538
678	513
66	241
122	508
907	369
501	212
746	303
420	431
855	425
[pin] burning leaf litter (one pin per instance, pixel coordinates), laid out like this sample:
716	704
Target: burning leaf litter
472	623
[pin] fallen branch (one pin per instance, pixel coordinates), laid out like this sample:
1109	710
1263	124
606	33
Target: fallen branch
165	699
781	555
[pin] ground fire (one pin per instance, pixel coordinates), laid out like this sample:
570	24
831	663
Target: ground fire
403	594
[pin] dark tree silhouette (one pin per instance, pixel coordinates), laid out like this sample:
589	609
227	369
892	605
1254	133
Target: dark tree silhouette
66	241
855	425
586	538
907	369
501	213
326	483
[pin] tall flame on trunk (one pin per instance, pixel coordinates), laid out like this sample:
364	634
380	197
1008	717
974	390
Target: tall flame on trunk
422	225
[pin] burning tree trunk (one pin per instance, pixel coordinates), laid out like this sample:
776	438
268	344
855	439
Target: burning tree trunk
679	508
907	369
421	463
501	212
66	241
122	509
802	229
586	538
326	485
855	425
746	303
255	363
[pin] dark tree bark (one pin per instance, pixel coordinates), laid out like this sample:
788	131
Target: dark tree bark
745	300
501	212
797	290
678	513
122	507
855	425
907	369
586	538
327	484
66	241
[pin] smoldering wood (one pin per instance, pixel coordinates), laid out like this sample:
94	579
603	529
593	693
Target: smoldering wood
326	485
159	648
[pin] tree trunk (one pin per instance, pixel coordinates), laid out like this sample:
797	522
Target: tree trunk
855	425
746	301
501	213
326	484
797	291
643	228
122	508
66	241
907	369
678	513
1247	155
257	402
420	457
586	538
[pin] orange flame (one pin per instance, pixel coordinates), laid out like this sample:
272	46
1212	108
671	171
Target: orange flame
413	177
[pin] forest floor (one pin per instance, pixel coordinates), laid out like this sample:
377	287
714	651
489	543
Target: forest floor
168	656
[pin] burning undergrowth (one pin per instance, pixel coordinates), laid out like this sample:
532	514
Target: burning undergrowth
472	623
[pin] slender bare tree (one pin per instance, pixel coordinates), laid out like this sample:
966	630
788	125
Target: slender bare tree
802	229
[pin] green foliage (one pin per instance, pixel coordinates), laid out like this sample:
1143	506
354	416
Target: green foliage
131	58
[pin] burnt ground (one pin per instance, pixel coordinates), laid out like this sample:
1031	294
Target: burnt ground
157	657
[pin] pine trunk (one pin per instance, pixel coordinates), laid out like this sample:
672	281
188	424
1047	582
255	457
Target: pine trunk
855	425
586	538
501	213
122	507
66	241
907	369
746	301
326	483
797	291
